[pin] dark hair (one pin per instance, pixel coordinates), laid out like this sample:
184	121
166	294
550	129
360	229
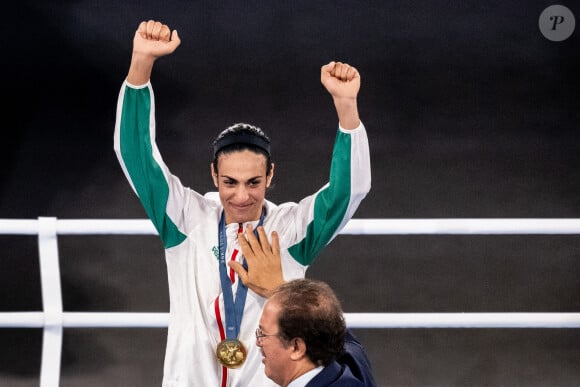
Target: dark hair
310	310
239	137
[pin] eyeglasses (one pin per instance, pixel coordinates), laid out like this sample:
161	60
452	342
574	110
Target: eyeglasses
260	335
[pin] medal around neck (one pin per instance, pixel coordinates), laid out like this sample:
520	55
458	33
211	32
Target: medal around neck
231	353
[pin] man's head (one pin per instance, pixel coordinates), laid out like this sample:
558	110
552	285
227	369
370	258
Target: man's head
302	327
242	169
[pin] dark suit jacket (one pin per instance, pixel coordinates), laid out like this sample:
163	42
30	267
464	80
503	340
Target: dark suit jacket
351	369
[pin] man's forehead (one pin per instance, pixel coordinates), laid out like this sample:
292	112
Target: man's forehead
269	312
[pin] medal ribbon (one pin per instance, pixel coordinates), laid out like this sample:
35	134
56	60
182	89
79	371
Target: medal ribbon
234	309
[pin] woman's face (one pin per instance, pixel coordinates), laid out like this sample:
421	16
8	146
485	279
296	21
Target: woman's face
241	181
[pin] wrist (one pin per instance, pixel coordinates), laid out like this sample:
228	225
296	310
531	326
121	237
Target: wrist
140	69
347	111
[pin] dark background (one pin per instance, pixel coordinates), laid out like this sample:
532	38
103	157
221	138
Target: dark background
471	113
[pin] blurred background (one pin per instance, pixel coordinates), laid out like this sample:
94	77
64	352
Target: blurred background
471	112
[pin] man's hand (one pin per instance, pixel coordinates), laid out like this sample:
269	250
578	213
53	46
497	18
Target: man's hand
264	272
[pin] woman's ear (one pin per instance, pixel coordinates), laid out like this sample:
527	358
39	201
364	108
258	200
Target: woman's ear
214	175
270	176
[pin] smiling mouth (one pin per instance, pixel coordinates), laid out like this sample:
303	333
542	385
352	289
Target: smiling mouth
241	207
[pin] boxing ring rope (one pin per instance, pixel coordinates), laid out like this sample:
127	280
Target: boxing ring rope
462	226
53	319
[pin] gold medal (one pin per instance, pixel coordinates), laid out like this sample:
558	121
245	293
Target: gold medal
231	353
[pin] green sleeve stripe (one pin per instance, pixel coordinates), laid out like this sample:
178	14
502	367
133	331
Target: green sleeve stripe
330	205
146	174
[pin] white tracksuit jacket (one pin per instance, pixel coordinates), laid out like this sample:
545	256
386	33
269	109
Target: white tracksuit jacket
187	223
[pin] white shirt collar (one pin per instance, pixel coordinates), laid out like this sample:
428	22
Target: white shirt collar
303	379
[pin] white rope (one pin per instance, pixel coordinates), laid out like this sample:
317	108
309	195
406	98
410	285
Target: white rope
462	226
466	226
353	320
463	320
